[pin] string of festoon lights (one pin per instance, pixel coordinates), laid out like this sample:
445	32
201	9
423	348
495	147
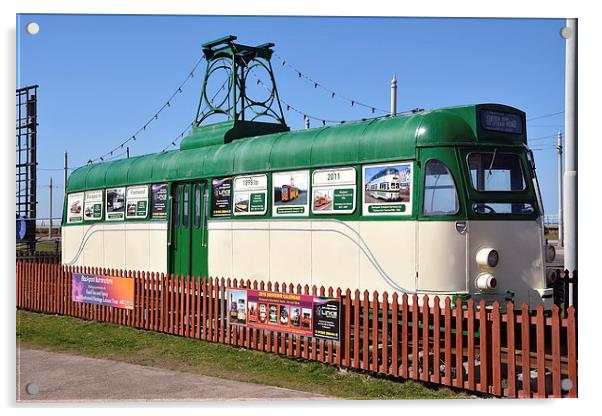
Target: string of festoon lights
119	150
323	121
191	124
333	94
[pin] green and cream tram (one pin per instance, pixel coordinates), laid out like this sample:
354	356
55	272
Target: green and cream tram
465	219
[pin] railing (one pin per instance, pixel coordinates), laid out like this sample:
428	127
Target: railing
463	345
38	257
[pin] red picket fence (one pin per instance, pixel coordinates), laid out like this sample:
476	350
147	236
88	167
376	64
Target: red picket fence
464	345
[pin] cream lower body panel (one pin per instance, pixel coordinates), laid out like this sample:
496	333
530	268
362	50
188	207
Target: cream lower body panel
140	246
521	266
373	255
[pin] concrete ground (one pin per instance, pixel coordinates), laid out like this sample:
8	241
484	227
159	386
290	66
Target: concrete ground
63	377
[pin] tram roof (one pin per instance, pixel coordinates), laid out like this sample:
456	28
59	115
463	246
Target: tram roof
376	140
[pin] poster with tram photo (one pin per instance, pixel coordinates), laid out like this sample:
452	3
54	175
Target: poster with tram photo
250	195
115	204
136	202
387	189
93	205
221	197
289	194
333	191
306	315
75	207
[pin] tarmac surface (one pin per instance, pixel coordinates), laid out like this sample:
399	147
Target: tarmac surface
59	377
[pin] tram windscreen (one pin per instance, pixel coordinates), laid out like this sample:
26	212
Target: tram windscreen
496	172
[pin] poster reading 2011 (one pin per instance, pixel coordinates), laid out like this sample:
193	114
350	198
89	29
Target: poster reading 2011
95	289
333	191
305	315
387	189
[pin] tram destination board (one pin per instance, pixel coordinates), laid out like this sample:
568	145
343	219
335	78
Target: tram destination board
305	315
502	122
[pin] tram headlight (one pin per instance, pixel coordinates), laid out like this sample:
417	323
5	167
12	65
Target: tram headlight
485	281
488	257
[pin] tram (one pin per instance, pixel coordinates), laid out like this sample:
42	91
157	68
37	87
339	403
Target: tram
469	224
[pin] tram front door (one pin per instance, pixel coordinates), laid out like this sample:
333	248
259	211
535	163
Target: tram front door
188	228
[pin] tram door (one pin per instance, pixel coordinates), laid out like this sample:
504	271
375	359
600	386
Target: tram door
188	242
442	240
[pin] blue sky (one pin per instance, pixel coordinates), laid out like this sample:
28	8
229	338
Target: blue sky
103	77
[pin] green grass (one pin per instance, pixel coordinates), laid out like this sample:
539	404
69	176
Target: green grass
109	341
551	234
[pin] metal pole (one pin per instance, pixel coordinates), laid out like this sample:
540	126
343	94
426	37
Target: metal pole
306	122
394	95
66	172
50	213
560	221
127	152
570	156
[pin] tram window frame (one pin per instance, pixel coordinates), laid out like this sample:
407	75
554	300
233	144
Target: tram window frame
197	205
474	180
429	213
206	205
185	206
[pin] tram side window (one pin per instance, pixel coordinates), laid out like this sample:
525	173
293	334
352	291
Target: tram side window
440	195
185	207
197	205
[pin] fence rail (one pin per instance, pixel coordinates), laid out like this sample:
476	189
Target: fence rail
510	353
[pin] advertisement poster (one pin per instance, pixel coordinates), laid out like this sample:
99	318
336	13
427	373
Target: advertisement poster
222	197
117	292
387	189
290	194
115	204
75	203
333	191
93	205
305	315
159	201
137	202
250	195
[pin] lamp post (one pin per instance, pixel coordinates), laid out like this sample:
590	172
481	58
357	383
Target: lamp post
569	33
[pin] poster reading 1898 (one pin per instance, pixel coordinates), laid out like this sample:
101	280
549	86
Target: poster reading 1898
387	189
250	195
